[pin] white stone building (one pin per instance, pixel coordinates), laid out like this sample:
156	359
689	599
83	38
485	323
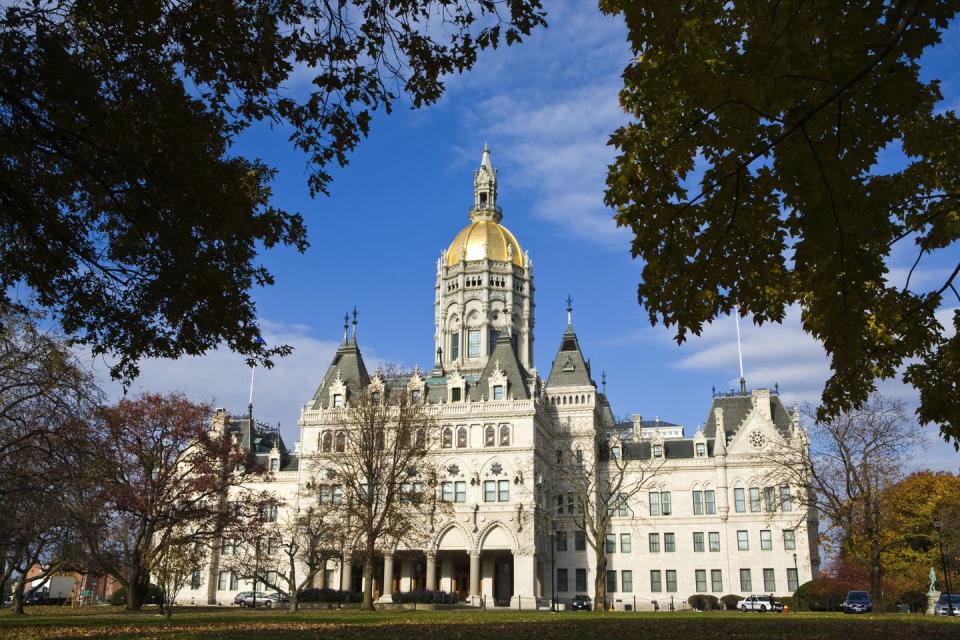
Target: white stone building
705	524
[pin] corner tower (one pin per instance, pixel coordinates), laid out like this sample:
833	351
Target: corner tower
484	287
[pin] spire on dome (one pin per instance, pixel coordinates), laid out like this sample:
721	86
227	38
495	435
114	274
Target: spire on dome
485	190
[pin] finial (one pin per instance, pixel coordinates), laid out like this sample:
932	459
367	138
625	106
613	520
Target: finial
603	381
346	327
713	391
355	314
776	388
569	311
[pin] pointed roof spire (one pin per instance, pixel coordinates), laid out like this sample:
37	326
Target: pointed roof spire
485	191
346	327
569	311
355	314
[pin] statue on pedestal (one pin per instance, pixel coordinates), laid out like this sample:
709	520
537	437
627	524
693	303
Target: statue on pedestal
933	579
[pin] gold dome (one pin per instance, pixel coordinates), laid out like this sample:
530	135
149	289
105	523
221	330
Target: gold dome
485	239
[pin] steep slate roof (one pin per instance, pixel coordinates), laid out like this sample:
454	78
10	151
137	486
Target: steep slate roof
737	407
569	368
672	449
259	442
349	362
517	377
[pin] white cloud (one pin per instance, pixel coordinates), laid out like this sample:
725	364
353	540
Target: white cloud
548	109
223	379
785	354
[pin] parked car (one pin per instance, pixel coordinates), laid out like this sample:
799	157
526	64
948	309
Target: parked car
263	599
944	608
238	599
581	603
278	597
760	603
857	602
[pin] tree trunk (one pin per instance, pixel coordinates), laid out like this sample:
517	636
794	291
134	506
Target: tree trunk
137	589
294	589
876	578
600	580
18	595
368	581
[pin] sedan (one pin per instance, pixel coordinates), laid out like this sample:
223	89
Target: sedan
760	603
945	608
581	603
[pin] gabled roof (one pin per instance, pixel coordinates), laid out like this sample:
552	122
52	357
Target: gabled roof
349	363
506	358
569	368
736	408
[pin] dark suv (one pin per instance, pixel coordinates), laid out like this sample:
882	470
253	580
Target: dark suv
857	602
581	603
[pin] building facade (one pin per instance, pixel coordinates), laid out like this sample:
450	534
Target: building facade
708	521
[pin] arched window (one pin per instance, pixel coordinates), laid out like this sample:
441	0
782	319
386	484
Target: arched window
326	442
461	437
489	436
446	439
421	439
341	444
504	435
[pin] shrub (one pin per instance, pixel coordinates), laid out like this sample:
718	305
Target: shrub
328	595
730	601
821	594
424	596
154	596
703	602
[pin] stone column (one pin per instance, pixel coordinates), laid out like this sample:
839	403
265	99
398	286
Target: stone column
524	580
387	595
474	574
345	573
431	571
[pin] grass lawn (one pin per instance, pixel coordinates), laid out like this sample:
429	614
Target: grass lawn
207	624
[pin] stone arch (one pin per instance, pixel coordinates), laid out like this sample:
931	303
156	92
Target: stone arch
503	537
459	531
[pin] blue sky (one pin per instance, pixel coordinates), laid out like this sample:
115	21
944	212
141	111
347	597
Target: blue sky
546	108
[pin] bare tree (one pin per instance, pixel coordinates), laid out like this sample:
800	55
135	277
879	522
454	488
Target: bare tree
42	387
173	567
596	480
844	466
381	463
271	552
150	476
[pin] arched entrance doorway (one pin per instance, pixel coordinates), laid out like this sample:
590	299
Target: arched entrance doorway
497	562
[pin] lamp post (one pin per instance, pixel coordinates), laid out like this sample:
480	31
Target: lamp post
796	573
943	562
553	569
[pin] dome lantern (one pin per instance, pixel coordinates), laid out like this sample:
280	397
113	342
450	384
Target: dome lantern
485	238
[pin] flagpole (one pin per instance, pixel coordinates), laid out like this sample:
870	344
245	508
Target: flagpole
743	382
253	369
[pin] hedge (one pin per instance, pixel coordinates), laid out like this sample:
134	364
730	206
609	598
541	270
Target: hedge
703	602
329	595
424	596
730	601
154	596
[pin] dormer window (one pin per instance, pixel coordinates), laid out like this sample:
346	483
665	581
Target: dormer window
615	452
658	451
337	400
483	200
455	395
701	449
376	396
275	464
498	392
416	396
